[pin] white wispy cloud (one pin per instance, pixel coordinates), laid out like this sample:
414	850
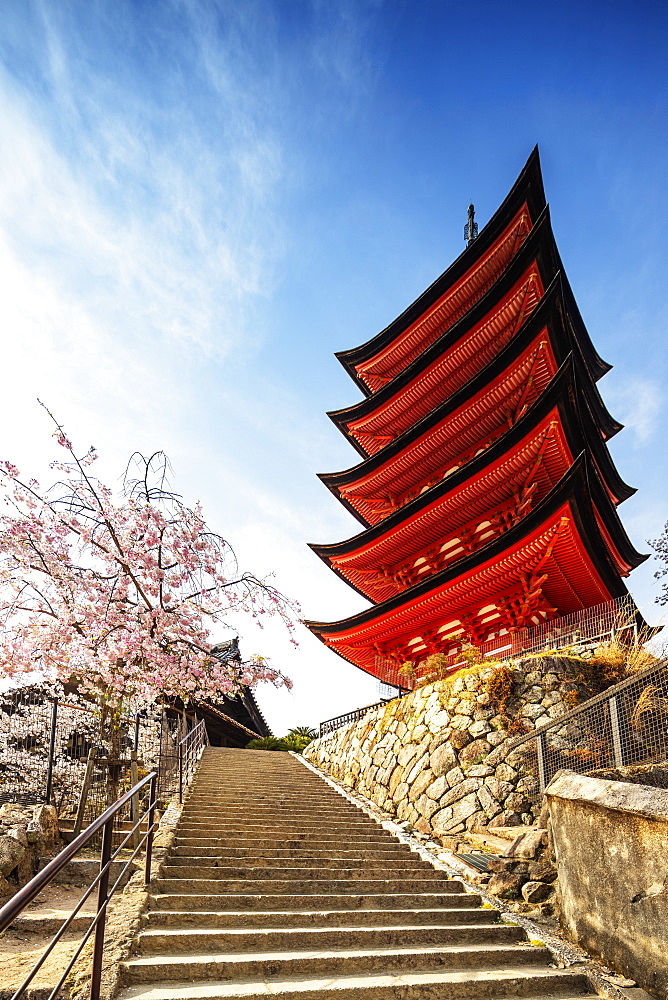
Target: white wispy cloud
141	227
638	403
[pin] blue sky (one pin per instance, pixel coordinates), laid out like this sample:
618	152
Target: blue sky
201	201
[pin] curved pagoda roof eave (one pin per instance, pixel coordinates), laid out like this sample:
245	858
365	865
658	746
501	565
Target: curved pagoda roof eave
578	487
527	188
342	417
580	433
544	315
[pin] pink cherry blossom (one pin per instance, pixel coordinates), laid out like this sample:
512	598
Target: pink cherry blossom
121	594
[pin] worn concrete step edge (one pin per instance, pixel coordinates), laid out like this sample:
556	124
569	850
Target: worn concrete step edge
336	962
523	984
187	940
310	887
303	854
266	919
331	901
327	872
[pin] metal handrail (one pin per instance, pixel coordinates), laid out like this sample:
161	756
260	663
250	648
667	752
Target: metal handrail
198	735
11	910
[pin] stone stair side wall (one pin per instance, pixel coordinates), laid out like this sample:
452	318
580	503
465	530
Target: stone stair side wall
609	840
437	757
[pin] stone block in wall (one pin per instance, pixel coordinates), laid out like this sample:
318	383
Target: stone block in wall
418	766
454	776
516	802
490	805
437	788
480	771
479	728
504	772
505	818
400	793
531	711
473	753
460	790
420	785
442	759
438	722
440	818
459	738
460	722
499	789
408	753
395	778
426	806
461	810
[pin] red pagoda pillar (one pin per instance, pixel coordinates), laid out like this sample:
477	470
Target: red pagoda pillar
485	489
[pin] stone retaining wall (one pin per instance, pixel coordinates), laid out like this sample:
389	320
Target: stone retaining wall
438	758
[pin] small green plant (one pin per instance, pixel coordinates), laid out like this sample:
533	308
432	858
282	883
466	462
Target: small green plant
296	740
266	743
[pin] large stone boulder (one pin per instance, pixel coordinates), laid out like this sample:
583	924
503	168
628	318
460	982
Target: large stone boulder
11	854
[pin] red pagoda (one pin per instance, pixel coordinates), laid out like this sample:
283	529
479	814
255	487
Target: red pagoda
485	489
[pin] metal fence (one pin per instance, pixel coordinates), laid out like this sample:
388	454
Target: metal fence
627	724
618	619
329	725
51	747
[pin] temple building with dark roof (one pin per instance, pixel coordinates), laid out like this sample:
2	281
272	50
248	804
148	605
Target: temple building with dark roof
485	488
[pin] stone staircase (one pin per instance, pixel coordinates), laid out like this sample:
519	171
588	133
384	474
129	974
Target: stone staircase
276	885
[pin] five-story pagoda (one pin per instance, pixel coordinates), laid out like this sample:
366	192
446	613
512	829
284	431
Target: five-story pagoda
486	491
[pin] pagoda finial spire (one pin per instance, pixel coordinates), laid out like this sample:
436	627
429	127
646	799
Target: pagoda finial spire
471	227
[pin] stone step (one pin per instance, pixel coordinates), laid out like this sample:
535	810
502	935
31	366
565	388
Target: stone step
276	885
239	797
291	817
294	840
281	872
284	805
203	900
309	887
471	984
236	825
334	963
304	853
291	939
266	919
305	862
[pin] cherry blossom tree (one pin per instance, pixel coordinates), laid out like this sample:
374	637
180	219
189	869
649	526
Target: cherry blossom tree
119	594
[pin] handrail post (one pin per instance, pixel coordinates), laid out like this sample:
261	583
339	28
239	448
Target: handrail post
52	750
134	803
180	772
149	839
103	888
541	746
85	788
